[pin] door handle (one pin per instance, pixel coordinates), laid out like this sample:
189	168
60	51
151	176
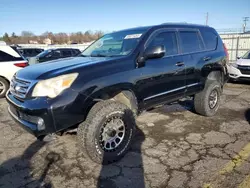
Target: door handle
206	58
179	64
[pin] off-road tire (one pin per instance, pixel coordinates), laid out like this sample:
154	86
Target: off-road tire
89	131
201	100
5	85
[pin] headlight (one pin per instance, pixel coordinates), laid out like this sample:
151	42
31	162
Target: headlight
234	65
54	86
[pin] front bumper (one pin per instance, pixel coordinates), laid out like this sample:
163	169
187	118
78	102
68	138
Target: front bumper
56	114
236	74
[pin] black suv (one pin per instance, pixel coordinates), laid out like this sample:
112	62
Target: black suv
53	54
114	79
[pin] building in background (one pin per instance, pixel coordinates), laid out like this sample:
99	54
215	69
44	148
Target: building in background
47	41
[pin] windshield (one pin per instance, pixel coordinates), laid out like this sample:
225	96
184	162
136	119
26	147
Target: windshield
44	53
120	43
246	56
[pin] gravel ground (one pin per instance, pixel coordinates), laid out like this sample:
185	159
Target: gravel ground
174	147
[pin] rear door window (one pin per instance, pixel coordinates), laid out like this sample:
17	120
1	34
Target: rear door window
7	57
66	53
168	39
210	39
190	41
56	54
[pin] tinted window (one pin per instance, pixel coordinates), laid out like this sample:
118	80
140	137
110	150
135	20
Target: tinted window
210	39
57	53
66	53
28	52
190	41
7	57
168	39
76	52
38	51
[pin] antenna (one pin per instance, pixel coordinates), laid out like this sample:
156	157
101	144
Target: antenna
207	19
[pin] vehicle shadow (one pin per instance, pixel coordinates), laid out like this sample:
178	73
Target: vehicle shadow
129	170
247	115
16	172
245	82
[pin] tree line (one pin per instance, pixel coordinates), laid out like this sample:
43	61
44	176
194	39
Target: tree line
27	37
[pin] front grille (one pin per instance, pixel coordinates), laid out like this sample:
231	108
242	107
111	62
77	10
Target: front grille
244	69
19	88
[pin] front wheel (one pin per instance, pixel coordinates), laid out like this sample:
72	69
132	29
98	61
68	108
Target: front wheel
4	86
107	133
207	102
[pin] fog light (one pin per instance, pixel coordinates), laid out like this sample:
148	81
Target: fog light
40	124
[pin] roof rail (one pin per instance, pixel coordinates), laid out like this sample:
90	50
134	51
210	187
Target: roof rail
184	23
174	23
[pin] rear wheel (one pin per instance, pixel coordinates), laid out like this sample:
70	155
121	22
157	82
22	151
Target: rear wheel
107	133
207	102
4	86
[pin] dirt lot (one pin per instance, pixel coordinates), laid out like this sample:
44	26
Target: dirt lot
174	147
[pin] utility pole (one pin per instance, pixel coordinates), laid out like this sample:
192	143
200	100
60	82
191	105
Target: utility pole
245	20
207	19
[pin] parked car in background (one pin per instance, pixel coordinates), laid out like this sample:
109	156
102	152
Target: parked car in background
240	70
117	77
53	54
30	52
10	62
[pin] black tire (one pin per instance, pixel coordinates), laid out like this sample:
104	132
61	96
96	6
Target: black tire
89	131
202	103
4	86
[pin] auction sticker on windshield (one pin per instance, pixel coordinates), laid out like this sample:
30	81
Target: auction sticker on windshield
133	36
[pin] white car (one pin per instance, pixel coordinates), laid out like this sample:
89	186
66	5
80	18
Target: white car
10	62
240	70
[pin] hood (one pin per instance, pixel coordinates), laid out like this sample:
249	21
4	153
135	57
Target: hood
57	67
243	62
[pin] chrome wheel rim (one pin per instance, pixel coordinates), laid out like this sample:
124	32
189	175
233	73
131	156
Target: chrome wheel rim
2	88
213	99
112	133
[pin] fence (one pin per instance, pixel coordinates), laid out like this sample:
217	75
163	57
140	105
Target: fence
237	44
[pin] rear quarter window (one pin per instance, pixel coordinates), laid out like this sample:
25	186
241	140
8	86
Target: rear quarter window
76	52
210	39
7	57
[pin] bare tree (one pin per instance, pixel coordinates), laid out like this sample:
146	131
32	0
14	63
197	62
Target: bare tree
57	38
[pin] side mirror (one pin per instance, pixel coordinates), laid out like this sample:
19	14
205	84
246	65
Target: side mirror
238	57
154	52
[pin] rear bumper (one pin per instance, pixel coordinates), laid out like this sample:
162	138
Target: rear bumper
55	114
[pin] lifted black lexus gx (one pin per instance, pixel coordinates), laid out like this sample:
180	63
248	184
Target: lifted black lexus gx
114	79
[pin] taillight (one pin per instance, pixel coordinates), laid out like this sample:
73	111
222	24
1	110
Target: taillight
23	64
226	51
